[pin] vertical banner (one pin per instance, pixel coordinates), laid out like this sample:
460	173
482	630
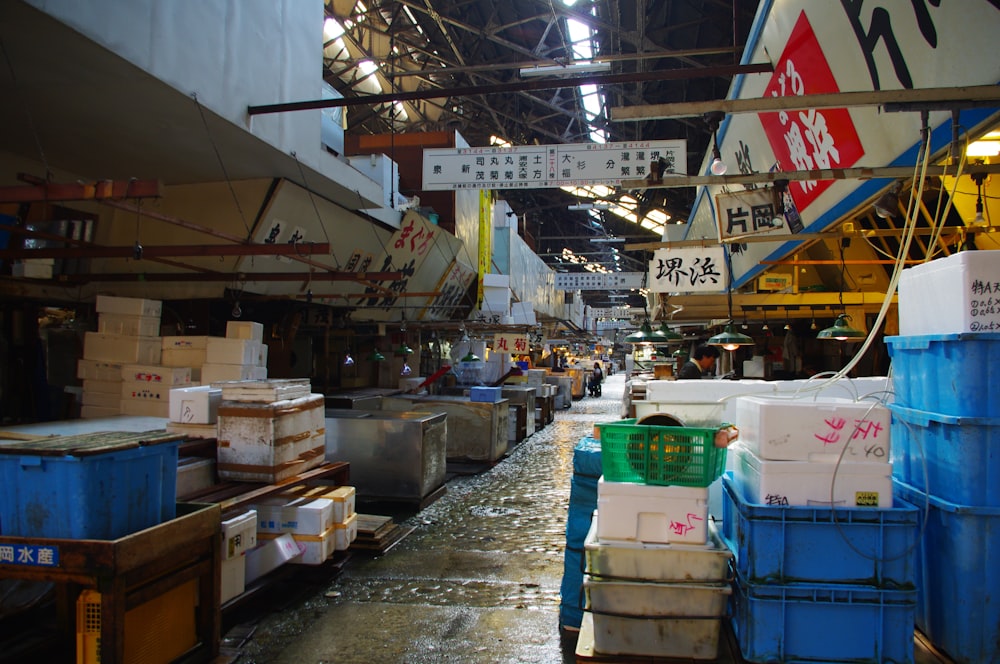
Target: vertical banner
485	240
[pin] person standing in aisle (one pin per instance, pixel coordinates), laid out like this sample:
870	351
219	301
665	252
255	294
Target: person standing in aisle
702	360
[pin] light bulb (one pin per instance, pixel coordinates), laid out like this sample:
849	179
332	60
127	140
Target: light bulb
718	166
348	360
731	346
237	312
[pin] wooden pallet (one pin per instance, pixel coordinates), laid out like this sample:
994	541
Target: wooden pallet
377	534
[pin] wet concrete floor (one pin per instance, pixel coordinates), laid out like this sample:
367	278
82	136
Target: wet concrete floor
476	581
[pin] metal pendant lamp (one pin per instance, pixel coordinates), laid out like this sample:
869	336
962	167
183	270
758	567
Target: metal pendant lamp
665	334
376	356
643	336
841	331
729	338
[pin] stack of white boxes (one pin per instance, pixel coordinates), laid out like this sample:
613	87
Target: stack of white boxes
128	333
269	430
241	355
194	410
308	520
185	351
789	449
345	518
239	535
145	388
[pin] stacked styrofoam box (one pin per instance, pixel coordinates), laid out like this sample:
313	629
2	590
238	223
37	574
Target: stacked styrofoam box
241	355
496	294
33	268
265	440
951	295
239	535
145	389
185	351
345	518
128	332
194	410
308	520
789	451
657	600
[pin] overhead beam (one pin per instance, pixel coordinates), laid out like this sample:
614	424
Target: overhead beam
500	88
230	276
51	192
165	251
956	97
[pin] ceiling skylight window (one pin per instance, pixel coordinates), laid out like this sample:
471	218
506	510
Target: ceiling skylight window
332	30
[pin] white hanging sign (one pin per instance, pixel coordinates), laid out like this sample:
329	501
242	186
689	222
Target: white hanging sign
599	280
749	212
688	270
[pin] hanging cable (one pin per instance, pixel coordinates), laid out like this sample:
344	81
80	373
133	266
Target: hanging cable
222	164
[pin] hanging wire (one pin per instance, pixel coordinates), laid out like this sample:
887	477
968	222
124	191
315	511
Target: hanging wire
222	164
312	200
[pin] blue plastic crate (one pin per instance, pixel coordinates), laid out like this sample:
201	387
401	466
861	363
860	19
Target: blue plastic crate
961	455
946	373
98	486
958	578
784	545
587	457
486	394
823	623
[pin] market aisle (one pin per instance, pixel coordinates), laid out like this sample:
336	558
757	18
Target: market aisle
476	581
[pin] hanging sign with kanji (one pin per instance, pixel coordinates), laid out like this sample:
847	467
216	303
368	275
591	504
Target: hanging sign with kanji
510	342
750	212
550	166
688	270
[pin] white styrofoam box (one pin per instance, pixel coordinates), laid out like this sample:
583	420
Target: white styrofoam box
805	483
262	355
103	399
806	429
536	377
650	513
121	349
344	499
244	329
220	373
410	383
195	405
157	374
946	295
30	269
184	357
143	391
703	391
315	548
260	373
232	351
145	408
239	534
128	306
294	514
856	389
103	386
692	414
345	532
270	441
656	600
234	574
97	412
193	430
641	561
496	280
269	554
133	326
184	343
98	370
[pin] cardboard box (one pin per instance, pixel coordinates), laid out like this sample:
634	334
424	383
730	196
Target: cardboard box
157	374
145	408
128	306
103	386
133	326
239	534
269	555
183	357
121	349
234	574
239	329
232	351
298	516
102	399
195	405
220	373
98	370
150	392
184	343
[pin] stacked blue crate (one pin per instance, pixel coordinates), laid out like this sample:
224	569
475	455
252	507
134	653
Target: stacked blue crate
946	460
582	505
821	583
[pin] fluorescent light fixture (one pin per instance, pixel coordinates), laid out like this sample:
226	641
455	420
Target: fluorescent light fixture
589	206
607	239
582	67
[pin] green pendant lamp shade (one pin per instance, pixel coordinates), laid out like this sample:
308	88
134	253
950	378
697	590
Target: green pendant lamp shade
665	334
841	331
376	356
404	349
730	339
471	357
643	336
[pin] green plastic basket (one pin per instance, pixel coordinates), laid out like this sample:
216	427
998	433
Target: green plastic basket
650	454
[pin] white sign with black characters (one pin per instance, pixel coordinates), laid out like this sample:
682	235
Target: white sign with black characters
569	281
550	166
688	270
